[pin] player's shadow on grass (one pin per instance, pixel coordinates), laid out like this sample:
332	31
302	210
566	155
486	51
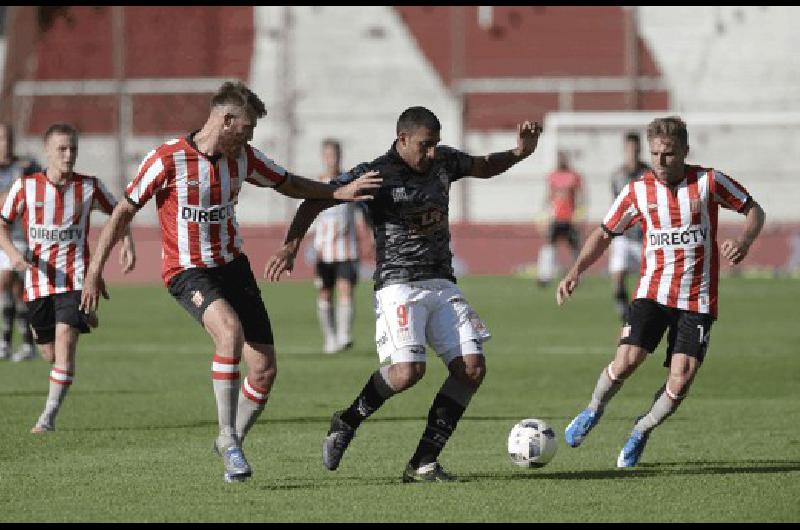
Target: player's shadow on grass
655	469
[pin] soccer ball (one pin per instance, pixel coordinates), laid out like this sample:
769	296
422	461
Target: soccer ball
532	443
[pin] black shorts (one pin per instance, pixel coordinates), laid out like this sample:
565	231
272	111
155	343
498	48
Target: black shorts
565	230
328	273
195	289
43	313
647	320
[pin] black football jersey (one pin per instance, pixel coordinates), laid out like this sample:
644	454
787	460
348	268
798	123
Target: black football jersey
410	215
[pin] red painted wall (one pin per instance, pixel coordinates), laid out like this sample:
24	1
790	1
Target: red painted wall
161	42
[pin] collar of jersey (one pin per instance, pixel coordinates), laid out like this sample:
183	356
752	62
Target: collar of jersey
190	140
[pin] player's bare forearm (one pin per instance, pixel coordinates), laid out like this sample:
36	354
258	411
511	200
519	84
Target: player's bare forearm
735	250
305	215
597	243
115	229
283	260
360	189
496	163
14	255
754	222
298	187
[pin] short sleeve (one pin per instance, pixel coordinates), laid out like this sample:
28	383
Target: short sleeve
103	200
623	212
15	202
262	171
729	193
151	176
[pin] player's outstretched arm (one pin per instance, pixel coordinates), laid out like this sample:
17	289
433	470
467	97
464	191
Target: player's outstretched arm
283	260
115	228
593	248
359	189
735	250
488	166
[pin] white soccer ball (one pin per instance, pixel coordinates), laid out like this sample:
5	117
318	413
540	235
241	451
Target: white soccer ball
532	443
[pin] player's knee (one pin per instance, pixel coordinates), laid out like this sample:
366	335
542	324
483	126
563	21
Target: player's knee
471	372
406	375
228	336
628	359
264	377
474	375
48	352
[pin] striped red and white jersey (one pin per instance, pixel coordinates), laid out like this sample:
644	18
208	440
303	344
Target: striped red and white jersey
196	198
335	234
56	223
680	258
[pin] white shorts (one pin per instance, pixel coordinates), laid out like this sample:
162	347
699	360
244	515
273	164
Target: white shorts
5	262
435	312
625	255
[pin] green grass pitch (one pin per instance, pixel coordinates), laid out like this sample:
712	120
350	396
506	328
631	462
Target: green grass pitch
134	436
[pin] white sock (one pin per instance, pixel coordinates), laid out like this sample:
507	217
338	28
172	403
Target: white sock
225	379
325	314
60	381
252	401
344	322
546	263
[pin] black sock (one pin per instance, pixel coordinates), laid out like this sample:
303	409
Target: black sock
368	401
22	320
442	420
621	297
8	322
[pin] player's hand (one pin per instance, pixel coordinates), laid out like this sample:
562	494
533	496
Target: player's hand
20	264
735	250
528	137
280	262
566	287
127	256
93	288
360	189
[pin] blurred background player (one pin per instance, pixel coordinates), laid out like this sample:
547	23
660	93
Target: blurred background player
678	205
624	254
11	282
563	198
417	301
55	206
337	234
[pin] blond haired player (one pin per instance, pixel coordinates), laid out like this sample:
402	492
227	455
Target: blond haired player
677	205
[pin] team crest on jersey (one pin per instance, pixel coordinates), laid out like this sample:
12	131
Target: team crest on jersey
197	298
400	195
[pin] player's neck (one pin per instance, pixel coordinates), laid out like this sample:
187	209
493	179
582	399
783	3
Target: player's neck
56	177
207	142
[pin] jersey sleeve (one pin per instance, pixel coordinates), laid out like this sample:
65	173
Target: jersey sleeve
729	193
623	212
151	176
459	162
103	200
15	202
262	171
